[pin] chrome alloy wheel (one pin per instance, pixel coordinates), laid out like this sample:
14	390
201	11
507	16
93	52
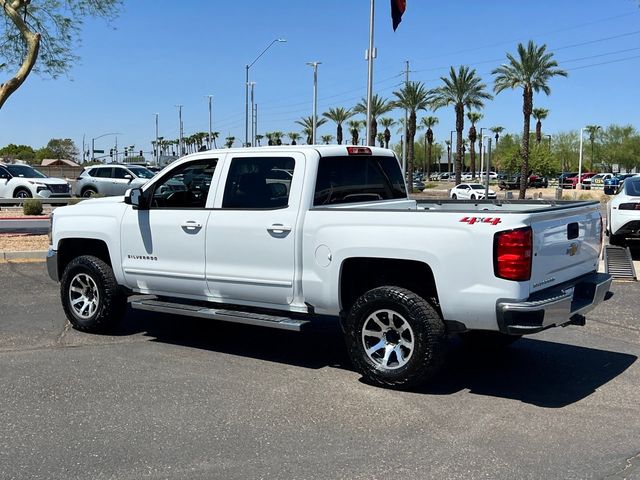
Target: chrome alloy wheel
388	339
84	296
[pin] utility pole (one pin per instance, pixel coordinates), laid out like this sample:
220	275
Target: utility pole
371	55
180	149
315	100
157	155
210	119
406	121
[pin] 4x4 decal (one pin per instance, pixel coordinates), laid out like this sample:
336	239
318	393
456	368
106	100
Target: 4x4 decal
473	220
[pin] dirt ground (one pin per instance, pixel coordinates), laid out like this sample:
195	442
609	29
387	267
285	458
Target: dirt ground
23	243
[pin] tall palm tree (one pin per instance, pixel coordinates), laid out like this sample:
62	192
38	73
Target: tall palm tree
379	106
294	137
497	130
461	89
592	130
474	117
258	139
387	123
531	72
307	126
380	138
277	137
413	96
429	122
448	143
539	114
214	136
339	116
326	139
228	142
354	130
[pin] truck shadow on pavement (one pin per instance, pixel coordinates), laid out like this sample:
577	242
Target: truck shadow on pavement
533	371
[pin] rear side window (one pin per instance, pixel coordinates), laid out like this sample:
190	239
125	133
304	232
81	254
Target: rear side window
358	179
632	187
103	173
258	183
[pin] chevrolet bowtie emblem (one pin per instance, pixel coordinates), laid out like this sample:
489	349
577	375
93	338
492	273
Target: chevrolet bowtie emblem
572	250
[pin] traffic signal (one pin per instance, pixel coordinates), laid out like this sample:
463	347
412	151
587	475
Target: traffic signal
141	153
111	153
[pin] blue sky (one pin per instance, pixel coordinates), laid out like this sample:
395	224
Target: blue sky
156	56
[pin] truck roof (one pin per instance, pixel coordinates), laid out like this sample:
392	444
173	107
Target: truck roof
324	150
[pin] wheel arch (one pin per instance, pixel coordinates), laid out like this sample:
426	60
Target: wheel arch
70	248
361	274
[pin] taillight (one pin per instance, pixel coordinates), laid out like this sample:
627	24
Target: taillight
512	252
359	151
629	206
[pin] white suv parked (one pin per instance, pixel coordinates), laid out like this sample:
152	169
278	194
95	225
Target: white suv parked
110	180
23	181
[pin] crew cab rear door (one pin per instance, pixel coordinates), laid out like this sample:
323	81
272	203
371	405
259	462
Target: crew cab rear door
251	234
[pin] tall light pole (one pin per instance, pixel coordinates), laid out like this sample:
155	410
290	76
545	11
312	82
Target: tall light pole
579	184
371	55
210	118
157	152
180	149
253	107
451	143
315	100
93	143
246	89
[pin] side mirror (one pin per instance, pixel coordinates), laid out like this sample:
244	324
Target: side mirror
128	177
135	197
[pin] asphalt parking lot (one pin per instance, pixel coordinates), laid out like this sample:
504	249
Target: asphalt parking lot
182	398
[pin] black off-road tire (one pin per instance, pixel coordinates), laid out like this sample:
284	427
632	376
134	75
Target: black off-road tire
488	340
426	328
102	297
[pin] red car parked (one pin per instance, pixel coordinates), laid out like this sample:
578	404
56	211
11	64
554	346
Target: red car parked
572	182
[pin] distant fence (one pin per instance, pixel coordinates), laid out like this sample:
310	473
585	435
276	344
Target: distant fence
60	171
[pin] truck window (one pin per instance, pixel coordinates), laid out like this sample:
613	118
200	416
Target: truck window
185	187
258	183
358	179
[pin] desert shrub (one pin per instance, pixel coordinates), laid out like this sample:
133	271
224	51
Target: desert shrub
32	206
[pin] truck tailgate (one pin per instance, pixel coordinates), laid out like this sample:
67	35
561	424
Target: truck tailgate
566	245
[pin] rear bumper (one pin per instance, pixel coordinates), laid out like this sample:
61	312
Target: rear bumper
560	305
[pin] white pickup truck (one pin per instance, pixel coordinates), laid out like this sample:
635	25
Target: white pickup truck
285	236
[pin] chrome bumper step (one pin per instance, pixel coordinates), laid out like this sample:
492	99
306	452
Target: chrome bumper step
224	315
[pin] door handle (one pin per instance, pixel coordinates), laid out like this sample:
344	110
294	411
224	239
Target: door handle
279	228
191	224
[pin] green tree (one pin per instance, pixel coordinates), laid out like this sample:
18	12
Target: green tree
354	130
539	114
339	116
413	97
429	123
497	130
46	30
387	123
531	71
461	89
229	141
379	106
62	148
294	137
620	146
592	130
474	117
380	138
307	126
326	139
18	152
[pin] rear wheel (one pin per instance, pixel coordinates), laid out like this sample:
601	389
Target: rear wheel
91	298
88	192
395	338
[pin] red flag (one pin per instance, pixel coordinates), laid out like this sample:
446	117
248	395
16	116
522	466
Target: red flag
397	9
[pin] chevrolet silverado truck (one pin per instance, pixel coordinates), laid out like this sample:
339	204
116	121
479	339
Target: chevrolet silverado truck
286	236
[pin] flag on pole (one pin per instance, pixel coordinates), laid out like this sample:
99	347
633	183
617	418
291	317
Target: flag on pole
397	9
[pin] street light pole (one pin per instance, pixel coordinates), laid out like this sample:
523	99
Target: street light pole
210	118
579	184
371	55
253	103
180	149
93	143
157	152
451	143
315	100
246	89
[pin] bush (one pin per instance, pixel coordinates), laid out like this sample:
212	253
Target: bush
32	206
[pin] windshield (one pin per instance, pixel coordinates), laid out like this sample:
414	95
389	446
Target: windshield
141	172
24	171
477	186
632	186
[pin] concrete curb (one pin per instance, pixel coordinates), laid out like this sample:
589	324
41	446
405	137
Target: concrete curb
29	255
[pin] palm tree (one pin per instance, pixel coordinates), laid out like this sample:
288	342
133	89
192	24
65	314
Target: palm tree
474	117
339	116
539	114
387	123
448	143
228	142
412	97
461	89
592	130
294	137
379	106
277	137
326	139
354	130
429	122
307	126
258	139
380	138
497	130
214	135
531	72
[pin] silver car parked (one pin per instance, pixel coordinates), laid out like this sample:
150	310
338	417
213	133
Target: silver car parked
110	180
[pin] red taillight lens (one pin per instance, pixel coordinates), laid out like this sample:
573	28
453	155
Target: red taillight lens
359	151
629	206
512	252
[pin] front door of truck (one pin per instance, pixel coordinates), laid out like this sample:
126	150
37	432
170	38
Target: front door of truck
251	235
163	246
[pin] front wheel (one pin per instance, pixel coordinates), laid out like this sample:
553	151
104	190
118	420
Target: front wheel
395	338
454	196
22	193
91	298
473	197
